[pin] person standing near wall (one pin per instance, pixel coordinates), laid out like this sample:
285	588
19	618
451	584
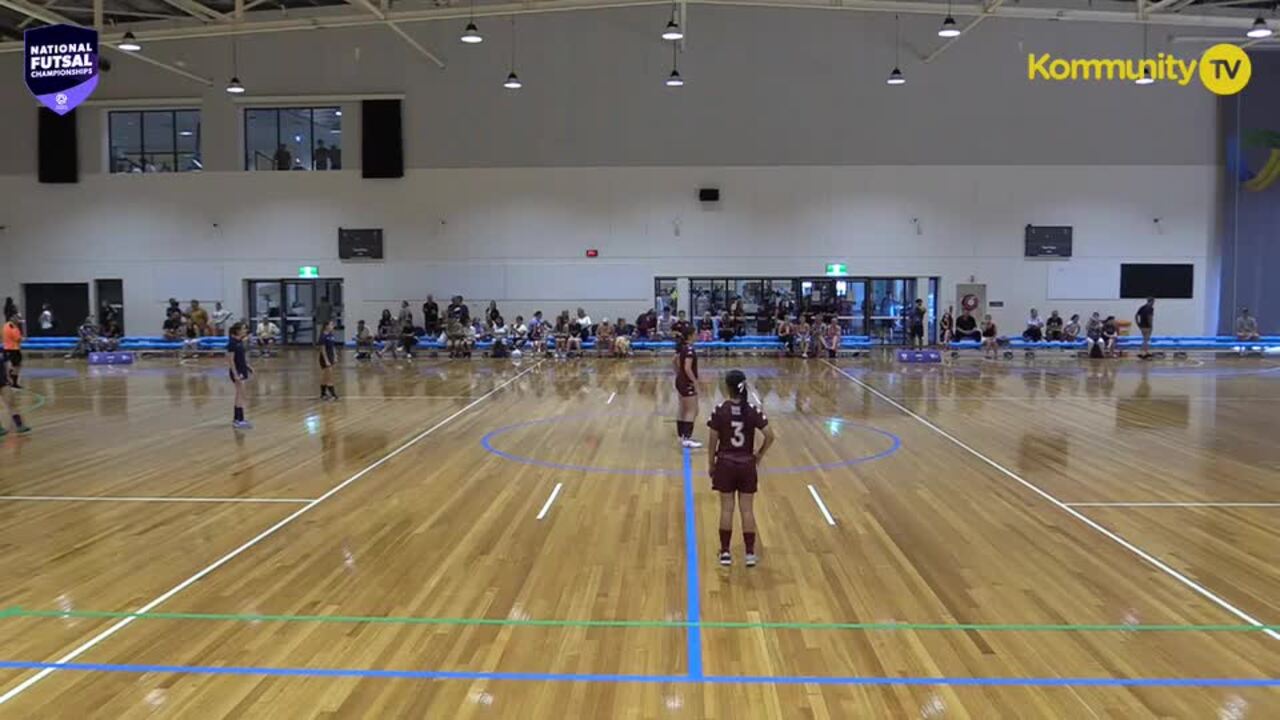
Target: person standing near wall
431	317
1146	320
918	315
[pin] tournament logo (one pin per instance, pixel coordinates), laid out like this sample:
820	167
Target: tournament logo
61	66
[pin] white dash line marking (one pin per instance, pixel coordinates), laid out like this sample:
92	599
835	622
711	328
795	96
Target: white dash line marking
171	499
611	397
547	505
1114	537
125	622
821	505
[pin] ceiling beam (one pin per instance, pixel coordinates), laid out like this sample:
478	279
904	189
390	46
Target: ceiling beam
381	14
45	15
331	19
196	10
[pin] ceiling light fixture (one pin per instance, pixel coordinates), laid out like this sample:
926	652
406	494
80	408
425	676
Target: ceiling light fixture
513	81
896	77
949	28
471	35
674	80
129	43
673	31
1260	29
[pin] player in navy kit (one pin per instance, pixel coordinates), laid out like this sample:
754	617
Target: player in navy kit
733	459
686	363
239	370
328	349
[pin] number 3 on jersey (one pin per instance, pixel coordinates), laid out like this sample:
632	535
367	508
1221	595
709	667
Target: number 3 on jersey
738	438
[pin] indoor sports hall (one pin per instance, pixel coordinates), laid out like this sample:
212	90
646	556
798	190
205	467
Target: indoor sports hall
592	359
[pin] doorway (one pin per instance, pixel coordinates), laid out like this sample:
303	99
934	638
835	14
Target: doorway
298	307
110	295
69	303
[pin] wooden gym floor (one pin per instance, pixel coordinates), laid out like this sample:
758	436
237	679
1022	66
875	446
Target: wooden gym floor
1029	539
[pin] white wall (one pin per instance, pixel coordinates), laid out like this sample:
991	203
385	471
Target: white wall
519	235
786	111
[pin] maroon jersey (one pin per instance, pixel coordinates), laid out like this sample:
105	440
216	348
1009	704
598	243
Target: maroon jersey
684	382
736	424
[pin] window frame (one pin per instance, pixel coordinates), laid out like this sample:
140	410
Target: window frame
173	154
248	159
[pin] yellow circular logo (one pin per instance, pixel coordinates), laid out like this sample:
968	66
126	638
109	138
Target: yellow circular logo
1225	69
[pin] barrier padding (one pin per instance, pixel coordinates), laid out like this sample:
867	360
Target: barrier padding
110	358
1162	343
919	356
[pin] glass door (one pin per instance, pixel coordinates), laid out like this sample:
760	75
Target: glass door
851	303
299	312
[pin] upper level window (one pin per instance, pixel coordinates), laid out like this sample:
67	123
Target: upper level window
146	141
293	138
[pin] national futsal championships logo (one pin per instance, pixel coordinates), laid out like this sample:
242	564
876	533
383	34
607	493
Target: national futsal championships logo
1223	69
61	67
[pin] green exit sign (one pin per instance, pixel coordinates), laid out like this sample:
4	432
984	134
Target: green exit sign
309	271
837	269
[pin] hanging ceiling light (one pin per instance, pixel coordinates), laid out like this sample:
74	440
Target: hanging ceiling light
1145	78
471	35
896	77
1260	29
673	31
234	86
949	28
674	80
513	81
129	43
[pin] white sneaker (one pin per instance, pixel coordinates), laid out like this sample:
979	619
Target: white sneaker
242	425
751	560
726	559
690	443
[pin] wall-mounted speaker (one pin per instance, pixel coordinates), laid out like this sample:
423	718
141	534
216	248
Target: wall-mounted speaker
58	157
382	139
709	195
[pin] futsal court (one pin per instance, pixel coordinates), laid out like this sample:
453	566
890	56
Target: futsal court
1041	538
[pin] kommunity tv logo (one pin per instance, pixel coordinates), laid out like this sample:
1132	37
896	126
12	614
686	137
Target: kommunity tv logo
1223	69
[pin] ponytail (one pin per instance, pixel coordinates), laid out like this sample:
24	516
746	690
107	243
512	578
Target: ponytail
736	382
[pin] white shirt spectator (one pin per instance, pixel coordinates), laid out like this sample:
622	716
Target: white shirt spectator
268	330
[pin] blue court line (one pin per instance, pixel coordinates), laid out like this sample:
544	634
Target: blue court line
693	602
646	679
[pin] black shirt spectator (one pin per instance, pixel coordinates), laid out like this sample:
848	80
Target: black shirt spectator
1053	326
967	327
431	316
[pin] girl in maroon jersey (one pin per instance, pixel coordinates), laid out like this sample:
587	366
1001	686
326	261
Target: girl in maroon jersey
733	459
686	363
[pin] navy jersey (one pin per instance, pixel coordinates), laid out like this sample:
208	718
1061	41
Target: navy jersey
236	347
736	424
328	349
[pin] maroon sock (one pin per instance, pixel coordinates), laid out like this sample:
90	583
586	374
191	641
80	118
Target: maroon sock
750	539
725	537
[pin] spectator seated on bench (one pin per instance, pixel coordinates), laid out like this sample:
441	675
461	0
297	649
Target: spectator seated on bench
1035	327
364	342
1071	331
268	334
1053	327
1247	326
967	327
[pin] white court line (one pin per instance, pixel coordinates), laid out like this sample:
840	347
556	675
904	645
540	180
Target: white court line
1151	559
822	506
120	625
171	499
611	397
1177	504
547	506
61	396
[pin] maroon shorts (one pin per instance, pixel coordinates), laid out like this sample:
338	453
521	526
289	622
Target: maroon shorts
732	474
686	388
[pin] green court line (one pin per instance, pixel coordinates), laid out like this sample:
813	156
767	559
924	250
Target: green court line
39	403
13	612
